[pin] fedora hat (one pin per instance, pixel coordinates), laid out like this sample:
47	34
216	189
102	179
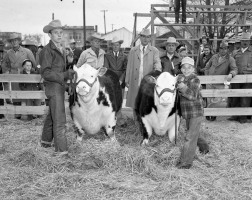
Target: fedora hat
95	36
52	25
245	36
223	44
14	36
72	41
171	40
145	32
116	39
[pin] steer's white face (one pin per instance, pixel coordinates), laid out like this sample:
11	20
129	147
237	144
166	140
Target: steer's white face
87	78
165	87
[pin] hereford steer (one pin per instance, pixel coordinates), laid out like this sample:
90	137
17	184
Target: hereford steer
155	105
96	101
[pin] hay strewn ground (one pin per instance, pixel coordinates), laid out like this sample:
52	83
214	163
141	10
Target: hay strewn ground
100	169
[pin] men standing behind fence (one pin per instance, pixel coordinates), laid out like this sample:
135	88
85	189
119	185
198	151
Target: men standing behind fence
220	64
53	70
171	60
142	59
243	58
12	63
116	61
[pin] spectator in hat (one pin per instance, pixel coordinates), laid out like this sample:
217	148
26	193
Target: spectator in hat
171	60
76	51
243	59
12	63
182	51
116	61
177	8
220	64
93	55
203	41
203	59
142	59
53	71
29	69
188	86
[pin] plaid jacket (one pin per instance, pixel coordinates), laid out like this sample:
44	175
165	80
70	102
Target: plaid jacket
190	97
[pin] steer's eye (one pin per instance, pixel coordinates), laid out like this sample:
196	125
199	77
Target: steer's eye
92	76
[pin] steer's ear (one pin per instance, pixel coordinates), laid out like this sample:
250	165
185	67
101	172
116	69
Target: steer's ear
151	79
102	71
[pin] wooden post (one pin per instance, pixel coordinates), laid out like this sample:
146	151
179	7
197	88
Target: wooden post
153	38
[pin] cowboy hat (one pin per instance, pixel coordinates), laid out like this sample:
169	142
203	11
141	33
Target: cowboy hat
14	36
116	39
28	42
145	32
171	40
95	36
245	36
52	25
72	41
187	60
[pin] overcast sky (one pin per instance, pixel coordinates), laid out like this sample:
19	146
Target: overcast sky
30	16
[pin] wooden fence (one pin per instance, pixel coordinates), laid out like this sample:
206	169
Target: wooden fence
25	78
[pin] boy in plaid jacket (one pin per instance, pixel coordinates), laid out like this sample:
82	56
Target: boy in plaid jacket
192	111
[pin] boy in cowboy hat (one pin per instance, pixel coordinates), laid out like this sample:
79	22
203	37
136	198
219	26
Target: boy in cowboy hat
188	85
12	62
142	60
94	55
76	51
116	61
53	71
171	60
243	58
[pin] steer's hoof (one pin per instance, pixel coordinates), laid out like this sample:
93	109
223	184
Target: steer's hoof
145	142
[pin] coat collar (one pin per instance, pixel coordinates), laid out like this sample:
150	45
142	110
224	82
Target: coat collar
176	55
138	51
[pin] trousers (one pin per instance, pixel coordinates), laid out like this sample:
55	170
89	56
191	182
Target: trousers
177	8
54	125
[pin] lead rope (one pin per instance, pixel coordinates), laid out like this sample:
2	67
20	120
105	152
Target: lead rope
176	114
72	87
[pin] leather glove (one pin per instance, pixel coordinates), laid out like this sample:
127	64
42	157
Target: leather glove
69	74
229	77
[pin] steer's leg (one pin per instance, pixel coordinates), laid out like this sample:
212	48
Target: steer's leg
79	131
146	131
110	126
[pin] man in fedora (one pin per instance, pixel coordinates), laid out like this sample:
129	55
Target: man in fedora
12	62
76	51
171	60
243	59
142	60
93	55
53	71
116	61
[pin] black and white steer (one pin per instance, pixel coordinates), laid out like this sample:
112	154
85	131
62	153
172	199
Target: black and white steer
96	101
155	105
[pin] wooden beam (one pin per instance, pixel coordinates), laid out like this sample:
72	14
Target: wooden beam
226	93
172	15
227	111
173	30
25	110
21	78
168	24
205	11
246	78
206	6
22	95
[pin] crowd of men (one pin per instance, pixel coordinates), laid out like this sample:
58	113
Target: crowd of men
55	63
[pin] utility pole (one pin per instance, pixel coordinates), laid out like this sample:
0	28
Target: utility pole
84	25
112	26
52	16
104	19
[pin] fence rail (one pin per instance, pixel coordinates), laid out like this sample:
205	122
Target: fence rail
39	110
